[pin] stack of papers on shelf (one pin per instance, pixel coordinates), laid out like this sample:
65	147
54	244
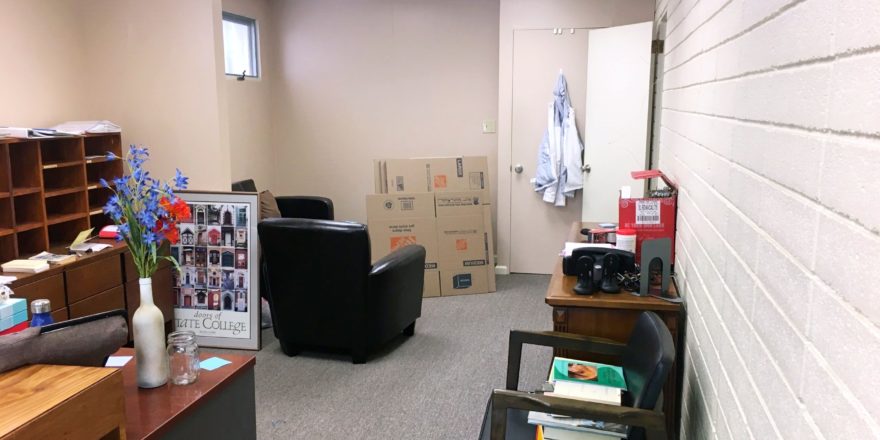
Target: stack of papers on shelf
25	266
29	133
83	127
53	258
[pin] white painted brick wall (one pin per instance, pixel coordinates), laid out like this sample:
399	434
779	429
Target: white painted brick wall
771	126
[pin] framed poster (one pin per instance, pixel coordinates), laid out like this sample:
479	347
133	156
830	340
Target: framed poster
217	292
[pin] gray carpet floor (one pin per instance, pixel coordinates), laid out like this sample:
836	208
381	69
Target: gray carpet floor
433	385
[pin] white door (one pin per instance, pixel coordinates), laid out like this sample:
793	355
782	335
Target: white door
538	229
616	134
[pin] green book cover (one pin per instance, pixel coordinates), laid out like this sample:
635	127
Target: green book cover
587	372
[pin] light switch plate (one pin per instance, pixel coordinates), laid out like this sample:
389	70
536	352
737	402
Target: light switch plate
489	126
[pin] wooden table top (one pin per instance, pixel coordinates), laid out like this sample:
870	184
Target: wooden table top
560	293
32	390
150	412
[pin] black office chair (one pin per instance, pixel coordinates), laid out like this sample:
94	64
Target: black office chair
314	207
325	293
646	360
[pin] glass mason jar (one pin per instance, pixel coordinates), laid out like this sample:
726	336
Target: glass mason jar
183	357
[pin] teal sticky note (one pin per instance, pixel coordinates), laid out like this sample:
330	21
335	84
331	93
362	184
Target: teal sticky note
213	363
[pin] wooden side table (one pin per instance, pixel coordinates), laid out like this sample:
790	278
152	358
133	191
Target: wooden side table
55	401
613	316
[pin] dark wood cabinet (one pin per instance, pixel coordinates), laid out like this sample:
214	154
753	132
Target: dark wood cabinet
95	283
50	191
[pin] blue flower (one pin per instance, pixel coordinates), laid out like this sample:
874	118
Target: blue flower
111	156
150	238
122	232
180	182
103	182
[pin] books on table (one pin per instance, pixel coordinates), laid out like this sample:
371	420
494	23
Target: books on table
53	258
583	380
590	381
25	266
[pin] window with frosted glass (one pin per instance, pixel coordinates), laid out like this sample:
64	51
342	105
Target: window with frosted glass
240	45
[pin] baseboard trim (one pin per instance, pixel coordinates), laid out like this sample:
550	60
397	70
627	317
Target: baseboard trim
502	270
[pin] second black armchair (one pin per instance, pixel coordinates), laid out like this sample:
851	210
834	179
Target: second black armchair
324	292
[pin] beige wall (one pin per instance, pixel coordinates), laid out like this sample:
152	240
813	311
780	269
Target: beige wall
360	80
41	77
540	14
249	102
153	68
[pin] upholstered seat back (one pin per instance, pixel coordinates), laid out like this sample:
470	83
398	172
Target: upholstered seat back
646	362
316	268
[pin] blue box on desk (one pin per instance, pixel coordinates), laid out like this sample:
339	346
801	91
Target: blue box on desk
12	306
12	312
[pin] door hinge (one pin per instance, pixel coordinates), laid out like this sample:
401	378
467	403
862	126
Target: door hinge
657	46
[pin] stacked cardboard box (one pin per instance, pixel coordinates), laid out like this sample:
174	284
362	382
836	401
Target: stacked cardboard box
443	205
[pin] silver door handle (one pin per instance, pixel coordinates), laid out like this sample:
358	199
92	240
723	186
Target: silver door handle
518	169
586	168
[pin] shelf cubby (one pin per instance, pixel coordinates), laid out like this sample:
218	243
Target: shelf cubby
32	241
6	220
62	234
28	210
61	151
100	145
4	170
7	247
107	170
64	178
66	207
24	161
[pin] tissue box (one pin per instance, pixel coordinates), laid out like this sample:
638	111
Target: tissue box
12	313
12	306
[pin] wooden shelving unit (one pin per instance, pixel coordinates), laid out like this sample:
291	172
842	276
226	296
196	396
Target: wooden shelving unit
49	190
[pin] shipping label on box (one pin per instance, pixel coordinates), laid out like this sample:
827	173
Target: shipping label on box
459	203
461	242
463	281
408	176
388	235
391	206
432	284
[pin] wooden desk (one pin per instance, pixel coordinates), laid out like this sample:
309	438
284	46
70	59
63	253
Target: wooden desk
613	316
94	283
220	404
54	401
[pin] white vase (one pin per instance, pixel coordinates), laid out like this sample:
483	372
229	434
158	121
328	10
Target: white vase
148	326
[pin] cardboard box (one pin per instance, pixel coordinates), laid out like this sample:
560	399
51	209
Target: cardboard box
432	284
461	242
445	174
650	217
463	281
490	246
379	181
387	235
448	204
398	206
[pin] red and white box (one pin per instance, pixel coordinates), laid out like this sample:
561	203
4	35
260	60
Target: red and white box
651	217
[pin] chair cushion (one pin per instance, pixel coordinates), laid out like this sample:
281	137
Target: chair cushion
268	206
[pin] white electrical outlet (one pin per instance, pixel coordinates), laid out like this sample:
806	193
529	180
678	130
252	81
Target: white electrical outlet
489	126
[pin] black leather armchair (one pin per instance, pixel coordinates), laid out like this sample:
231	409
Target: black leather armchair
646	360
294	206
326	294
